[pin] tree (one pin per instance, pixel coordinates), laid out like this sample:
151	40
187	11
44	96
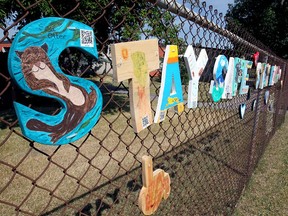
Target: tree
266	20
112	21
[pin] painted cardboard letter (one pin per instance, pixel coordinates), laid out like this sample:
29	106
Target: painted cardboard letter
195	70
219	72
227	94
241	75
237	76
245	65
262	75
33	65
268	71
171	89
133	61
258	75
272	75
156	186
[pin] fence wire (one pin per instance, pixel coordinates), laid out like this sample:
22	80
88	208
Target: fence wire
209	152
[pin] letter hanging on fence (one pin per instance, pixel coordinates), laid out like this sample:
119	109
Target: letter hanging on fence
272	75
244	66
195	70
268	71
171	88
241	75
229	80
263	75
258	75
133	61
275	75
156	186
219	74
33	65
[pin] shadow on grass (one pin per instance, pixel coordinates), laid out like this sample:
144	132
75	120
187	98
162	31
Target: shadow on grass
100	204
188	156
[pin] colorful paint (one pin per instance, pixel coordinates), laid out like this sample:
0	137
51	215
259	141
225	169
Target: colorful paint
237	76
133	61
241	76
227	77
195	70
219	73
228	90
244	66
33	65
171	88
156	186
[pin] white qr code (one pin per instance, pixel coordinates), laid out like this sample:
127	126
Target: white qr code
86	38
145	122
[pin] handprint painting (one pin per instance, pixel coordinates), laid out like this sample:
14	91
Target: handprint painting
33	65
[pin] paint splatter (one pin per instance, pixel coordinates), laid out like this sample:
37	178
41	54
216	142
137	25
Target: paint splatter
140	67
125	53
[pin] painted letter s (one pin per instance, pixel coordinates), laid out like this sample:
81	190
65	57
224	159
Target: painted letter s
33	65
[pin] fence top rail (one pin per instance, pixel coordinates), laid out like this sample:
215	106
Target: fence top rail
180	10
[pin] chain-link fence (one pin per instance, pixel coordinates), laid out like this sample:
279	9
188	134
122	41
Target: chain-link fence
209	152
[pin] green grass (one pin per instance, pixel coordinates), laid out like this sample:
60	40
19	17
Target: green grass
15	148
267	191
176	137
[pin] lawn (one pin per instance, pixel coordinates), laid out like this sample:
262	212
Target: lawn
205	151
70	171
267	191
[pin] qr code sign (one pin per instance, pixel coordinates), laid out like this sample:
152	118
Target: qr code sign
162	115
145	122
86	38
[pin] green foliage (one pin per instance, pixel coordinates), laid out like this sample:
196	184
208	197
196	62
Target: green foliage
266	20
113	21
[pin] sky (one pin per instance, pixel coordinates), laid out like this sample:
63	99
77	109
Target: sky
220	5
203	36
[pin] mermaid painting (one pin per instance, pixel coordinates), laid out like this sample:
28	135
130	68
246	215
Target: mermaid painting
39	74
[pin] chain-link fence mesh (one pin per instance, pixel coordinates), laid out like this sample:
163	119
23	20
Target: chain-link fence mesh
209	151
